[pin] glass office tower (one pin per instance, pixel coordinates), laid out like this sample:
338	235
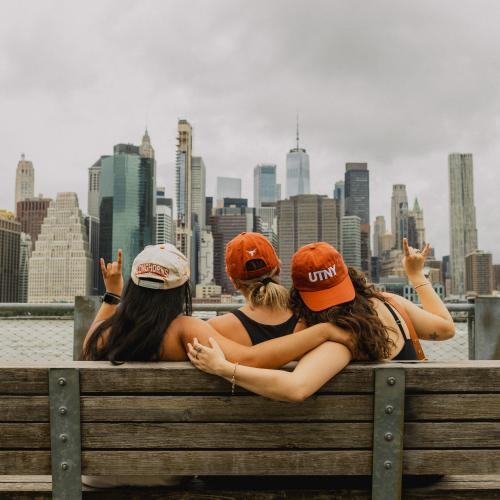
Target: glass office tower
127	204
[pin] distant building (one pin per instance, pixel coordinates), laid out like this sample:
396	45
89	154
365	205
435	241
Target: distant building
10	242
165	226
339	195
198	188
375	270
127	204
399	215
60	268
146	149
351	244
234	203
92	230
207	291
392	284
227	187
304	219
30	213
496	276
25	180
379	230
94	183
265	187
227	223
391	264
206	257
463	229
24	257
479	273
411	294
418	214
446	273
209	205
297	170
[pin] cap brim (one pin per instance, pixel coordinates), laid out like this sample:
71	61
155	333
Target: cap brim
324	299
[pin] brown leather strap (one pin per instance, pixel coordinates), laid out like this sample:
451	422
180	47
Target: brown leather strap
413	334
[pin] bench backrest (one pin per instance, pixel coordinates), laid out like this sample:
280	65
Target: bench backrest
168	418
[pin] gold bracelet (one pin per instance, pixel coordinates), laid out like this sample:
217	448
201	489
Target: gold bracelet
422	284
233	379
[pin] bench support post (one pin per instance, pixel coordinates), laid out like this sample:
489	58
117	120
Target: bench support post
64	399
388	427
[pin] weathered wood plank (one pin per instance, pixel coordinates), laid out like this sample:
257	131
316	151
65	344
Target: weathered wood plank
24	435
22	380
224	409
229	409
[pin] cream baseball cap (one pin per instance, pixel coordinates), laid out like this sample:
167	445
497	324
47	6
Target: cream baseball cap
160	267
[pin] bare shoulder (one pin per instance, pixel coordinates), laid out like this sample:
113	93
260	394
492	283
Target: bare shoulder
401	301
224	322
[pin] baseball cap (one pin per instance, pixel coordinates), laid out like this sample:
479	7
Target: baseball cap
160	267
320	275
250	255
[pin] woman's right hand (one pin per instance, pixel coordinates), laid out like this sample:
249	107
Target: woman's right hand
112	275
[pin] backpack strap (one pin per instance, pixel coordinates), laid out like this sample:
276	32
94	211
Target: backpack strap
413	334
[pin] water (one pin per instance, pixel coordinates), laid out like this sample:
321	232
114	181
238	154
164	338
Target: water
26	340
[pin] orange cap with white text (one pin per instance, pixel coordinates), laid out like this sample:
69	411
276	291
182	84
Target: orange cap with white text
321	276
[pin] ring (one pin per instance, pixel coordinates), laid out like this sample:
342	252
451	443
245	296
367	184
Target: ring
196	356
198	348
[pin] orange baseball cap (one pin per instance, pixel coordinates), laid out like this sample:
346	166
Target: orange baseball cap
320	275
247	247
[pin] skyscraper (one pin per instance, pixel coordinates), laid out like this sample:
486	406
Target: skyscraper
198	187
418	214
127	204
227	187
146	149
339	194
94	187
24	258
399	215
304	219
30	213
357	202
25	180
265	187
463	231
379	230
165	227
479	273
92	231
183	181
60	268
351	246
10	241
297	170
206	258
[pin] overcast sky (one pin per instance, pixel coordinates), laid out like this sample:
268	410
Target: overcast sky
398	84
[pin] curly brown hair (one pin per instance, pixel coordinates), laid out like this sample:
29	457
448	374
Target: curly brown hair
371	337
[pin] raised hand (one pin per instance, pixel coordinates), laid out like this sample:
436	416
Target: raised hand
414	260
112	275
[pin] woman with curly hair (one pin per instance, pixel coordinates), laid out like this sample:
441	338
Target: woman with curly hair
382	326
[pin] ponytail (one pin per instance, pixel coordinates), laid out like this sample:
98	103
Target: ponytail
265	291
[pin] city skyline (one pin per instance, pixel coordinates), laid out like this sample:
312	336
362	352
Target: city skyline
402	115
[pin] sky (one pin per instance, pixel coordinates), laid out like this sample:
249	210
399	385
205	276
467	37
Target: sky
397	84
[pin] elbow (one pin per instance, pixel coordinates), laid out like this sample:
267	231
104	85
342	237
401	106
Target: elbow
298	394
449	331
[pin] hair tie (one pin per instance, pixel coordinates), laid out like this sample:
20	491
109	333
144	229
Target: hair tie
267	280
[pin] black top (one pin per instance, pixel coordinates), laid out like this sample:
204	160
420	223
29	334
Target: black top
408	352
260	333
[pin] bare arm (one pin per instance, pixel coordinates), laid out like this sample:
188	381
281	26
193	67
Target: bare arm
271	354
311	373
433	321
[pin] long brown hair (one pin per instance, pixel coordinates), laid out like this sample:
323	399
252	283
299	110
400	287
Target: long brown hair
371	336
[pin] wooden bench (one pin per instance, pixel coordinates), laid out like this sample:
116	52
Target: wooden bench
381	420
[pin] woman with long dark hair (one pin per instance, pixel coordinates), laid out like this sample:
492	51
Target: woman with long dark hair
381	326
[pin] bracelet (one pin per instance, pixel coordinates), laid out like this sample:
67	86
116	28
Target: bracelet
233	379
422	284
114	295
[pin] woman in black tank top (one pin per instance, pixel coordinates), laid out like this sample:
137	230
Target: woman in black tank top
253	267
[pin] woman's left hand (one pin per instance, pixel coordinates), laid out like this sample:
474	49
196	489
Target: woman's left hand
208	359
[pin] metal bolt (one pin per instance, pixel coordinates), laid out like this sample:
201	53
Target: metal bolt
64	466
63	410
389	409
63	437
391	380
388	436
387	465
62	381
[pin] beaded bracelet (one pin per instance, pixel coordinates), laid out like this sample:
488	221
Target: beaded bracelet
233	379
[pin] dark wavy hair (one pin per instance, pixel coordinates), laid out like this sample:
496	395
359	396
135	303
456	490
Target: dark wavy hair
135	331
370	335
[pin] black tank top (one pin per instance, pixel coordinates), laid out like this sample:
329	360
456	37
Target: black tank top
260	333
408	351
